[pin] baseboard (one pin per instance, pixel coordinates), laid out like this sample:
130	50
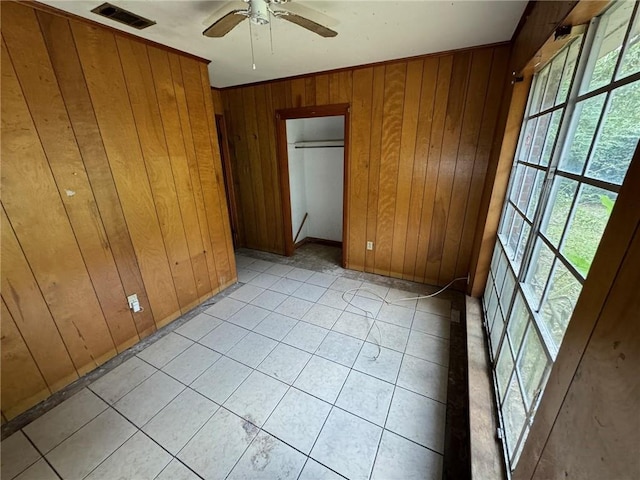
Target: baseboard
320	241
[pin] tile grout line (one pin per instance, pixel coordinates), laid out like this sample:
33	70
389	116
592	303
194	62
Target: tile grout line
42	456
139	429
254	369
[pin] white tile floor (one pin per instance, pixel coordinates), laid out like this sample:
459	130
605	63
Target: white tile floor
275	381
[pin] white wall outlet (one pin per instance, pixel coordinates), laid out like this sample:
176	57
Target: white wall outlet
133	303
369	245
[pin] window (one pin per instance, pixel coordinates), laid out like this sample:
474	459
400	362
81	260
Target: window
580	130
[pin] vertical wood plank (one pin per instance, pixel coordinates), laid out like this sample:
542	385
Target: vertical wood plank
168	106
346	86
215	165
322	89
233	162
359	165
218	106
267	167
29	310
421	161
412	93
446	172
44	100
310	91
43	230
445	69
240	157
253	149
395	77
471	124
272	106
494	95
254	162
192	163
22	382
68	71
375	147
298	94
202	140
98	54
334	88
144	104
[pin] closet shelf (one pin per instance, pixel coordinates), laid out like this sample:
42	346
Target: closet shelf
320	144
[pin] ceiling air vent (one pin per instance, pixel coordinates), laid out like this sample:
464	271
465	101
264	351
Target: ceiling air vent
123	16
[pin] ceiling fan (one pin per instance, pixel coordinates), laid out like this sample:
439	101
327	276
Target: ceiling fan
258	12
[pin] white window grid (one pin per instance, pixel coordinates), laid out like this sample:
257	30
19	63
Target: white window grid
506	280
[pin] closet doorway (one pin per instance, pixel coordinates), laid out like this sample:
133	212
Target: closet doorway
313	164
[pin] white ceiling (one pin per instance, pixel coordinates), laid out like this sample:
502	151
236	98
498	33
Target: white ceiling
368	31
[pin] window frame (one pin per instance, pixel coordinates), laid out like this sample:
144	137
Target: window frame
582	71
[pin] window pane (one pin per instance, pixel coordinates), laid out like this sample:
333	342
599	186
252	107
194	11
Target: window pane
532	364
527	139
618	136
539	270
526	188
569	68
539	137
491	307
575	153
496	332
514	415
522	244
507	221
500	271
514	234
535	196
553	80
631	57
516	184
552	133
518	322
561	299
560	200
497	251
504	368
507	290
539	84
590	216
609	38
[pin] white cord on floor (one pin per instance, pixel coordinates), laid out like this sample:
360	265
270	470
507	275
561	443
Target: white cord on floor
367	313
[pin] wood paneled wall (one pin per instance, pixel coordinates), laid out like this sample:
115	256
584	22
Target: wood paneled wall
111	185
420	138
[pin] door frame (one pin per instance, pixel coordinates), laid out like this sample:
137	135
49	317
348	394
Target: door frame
336	110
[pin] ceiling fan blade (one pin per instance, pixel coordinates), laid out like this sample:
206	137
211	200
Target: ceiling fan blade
308	24
227	23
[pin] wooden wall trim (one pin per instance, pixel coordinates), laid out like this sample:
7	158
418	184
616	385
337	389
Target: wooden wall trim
72	16
541	18
609	259
305	76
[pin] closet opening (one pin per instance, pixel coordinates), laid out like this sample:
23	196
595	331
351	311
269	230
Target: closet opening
313	166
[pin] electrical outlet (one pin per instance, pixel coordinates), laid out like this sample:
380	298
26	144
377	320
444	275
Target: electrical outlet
369	245
134	304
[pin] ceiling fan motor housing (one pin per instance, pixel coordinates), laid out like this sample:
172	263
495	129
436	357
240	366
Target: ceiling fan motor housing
259	12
